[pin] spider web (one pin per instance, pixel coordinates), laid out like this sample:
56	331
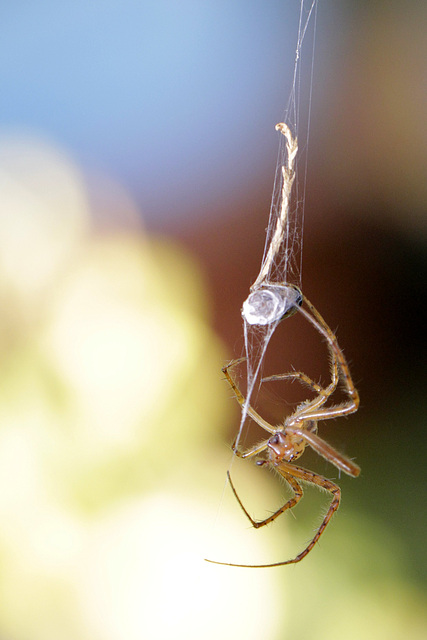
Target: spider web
275	292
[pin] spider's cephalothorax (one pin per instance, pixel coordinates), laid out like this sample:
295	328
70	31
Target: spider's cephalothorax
285	446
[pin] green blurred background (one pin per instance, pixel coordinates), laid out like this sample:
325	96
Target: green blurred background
137	154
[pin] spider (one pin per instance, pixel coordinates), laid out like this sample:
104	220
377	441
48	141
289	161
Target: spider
287	441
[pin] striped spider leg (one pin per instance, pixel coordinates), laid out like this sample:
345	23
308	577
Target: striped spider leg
287	441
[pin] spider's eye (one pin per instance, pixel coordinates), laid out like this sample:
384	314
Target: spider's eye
277	443
278	438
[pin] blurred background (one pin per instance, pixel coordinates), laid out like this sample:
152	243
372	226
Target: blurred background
137	155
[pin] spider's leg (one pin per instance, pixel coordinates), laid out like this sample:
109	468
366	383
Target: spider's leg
241	398
338	363
336	411
298	493
323	393
285	469
296	375
298	473
253	451
233	363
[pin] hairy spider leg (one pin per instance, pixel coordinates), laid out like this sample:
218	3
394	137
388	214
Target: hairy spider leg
289	471
344	408
296	375
258	448
322	393
240	397
297	491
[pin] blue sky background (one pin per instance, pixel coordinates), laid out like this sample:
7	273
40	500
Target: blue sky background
170	98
